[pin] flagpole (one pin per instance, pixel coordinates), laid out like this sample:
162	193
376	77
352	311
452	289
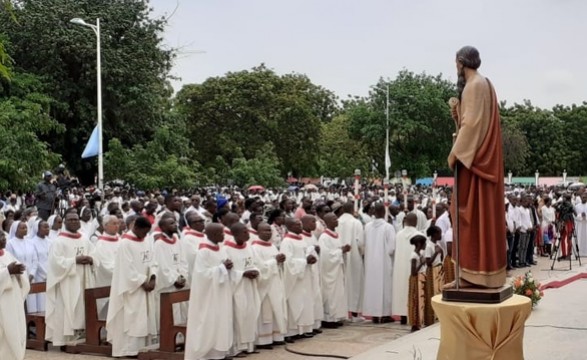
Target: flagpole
387	159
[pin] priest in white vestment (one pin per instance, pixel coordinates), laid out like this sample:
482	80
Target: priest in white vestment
308	226
71	271
14	287
402	266
210	317
297	279
351	232
332	252
131	319
172	267
272	323
191	237
581	225
246	303
104	253
379	253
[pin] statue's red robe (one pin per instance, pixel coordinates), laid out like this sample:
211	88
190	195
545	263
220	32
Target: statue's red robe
478	152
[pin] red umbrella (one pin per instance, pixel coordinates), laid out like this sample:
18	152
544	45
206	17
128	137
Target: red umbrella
256	188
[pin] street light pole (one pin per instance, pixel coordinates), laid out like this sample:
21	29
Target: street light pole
96	29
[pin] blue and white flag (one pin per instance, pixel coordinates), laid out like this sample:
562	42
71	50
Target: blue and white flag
92	146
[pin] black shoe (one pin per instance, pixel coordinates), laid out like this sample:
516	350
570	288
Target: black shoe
278	343
265	347
509	268
329	325
338	324
308	335
404	320
289	339
376	320
317	331
387	319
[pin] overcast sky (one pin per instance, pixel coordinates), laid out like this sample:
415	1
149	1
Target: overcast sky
531	49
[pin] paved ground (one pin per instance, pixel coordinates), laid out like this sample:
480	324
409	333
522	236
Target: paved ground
376	341
556	328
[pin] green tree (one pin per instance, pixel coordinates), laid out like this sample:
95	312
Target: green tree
263	169
241	112
24	118
339	154
574	123
164	162
420	124
135	67
548	145
515	147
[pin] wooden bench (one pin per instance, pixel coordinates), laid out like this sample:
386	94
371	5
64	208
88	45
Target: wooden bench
168	349
93	344
38	319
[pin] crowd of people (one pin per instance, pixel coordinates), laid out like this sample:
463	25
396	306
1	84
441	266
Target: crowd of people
263	268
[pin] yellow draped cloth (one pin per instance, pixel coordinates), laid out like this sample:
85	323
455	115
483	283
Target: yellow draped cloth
471	331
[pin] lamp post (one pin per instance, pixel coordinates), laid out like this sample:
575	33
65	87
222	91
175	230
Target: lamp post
96	29
565	177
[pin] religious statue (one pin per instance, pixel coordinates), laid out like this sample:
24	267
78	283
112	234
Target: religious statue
477	159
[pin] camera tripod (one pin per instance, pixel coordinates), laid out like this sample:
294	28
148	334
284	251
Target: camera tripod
572	237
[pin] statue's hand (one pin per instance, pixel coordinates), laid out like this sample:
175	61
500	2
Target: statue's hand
452	159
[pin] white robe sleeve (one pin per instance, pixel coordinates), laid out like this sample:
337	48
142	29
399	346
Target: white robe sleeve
295	266
390	238
60	266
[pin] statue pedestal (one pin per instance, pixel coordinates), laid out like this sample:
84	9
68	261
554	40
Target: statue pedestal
470	331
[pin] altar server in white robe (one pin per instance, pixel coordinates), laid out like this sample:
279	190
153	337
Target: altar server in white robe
210	318
272	323
297	279
131	322
228	220
191	237
70	273
246	303
172	266
332	252
42	243
14	287
308	226
23	249
104	253
379	251
402	267
254	220
422	220
581	225
351	232
88	224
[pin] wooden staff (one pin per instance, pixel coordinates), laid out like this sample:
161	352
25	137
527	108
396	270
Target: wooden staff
454	104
